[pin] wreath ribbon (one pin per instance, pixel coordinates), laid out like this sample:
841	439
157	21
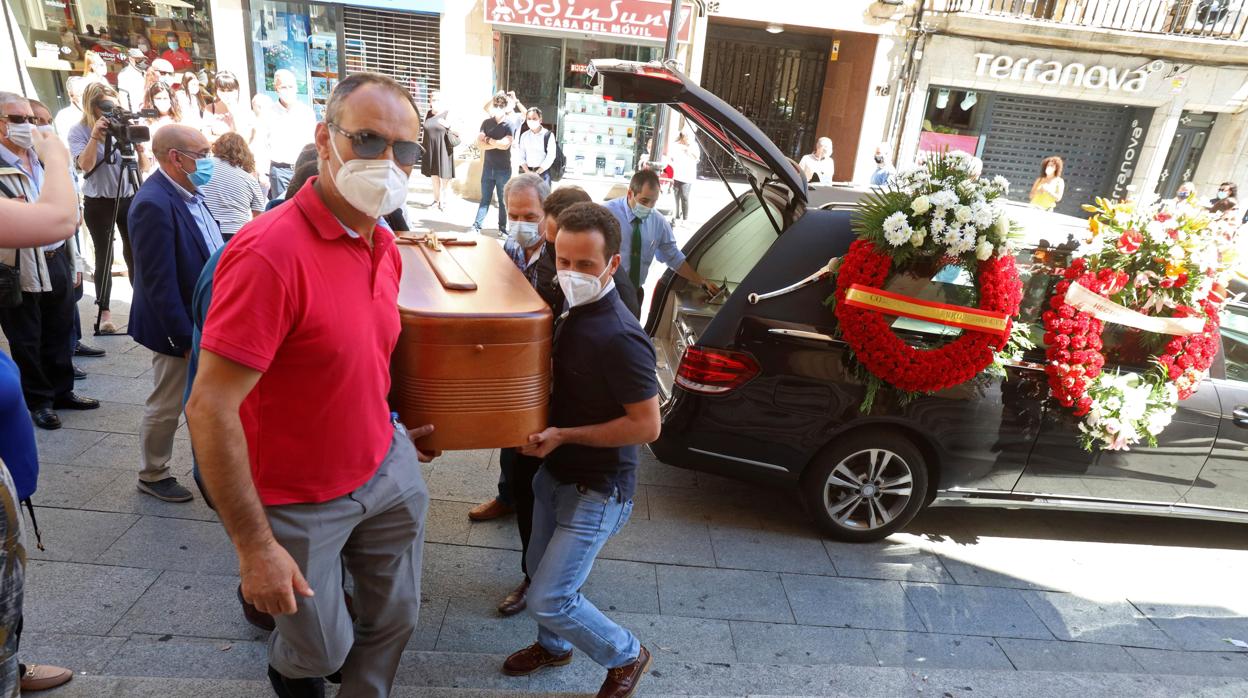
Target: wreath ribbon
1102	308
870	298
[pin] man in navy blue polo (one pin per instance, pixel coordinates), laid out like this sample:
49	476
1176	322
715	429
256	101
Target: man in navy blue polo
604	404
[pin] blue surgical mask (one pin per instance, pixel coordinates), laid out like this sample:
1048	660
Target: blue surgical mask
1222	194
202	173
641	212
525	234
174	46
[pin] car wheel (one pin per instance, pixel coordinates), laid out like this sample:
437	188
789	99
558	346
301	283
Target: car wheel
866	486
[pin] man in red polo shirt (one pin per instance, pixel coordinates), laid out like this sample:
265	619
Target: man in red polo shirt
288	412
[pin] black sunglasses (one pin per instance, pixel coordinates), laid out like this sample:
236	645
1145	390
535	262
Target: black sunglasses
19	119
367	144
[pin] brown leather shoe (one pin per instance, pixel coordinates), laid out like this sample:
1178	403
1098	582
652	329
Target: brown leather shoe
532	658
515	601
41	677
622	681
492	509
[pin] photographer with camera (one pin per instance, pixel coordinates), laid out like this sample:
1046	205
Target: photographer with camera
106	190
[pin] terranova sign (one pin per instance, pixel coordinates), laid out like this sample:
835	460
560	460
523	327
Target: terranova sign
1094	77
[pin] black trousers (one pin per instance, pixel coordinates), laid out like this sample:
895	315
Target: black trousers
39	332
522	470
681	190
97	213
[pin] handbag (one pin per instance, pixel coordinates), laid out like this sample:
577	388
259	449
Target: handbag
11	283
452	138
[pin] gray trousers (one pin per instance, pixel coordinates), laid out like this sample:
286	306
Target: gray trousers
377	531
161	414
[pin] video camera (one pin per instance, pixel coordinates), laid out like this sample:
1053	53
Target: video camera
123	125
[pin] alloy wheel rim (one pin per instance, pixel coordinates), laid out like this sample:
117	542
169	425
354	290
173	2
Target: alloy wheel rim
868	489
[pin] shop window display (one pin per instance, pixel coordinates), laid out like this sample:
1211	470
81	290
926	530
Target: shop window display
63	34
300	38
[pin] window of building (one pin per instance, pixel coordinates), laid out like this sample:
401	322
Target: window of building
300	38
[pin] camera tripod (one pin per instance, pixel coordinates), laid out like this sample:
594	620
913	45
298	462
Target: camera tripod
129	174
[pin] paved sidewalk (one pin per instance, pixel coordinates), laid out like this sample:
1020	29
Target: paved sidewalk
729	585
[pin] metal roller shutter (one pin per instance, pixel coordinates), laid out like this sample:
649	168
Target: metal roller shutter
403	45
1021	131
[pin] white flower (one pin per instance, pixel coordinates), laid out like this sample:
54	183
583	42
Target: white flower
920	205
897	229
983	250
1158	420
916	238
1113	402
960	240
1001	229
938	230
1156	233
962	214
944	199
982	214
1001	183
1112	426
1177	253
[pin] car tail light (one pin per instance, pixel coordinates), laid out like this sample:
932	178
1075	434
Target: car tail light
658	73
714	371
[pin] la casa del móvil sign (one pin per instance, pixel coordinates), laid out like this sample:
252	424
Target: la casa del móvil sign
634	19
1093	77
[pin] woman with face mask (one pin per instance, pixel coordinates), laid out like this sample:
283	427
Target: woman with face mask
94	67
1049	187
221	113
438	162
102	182
190	100
1226	204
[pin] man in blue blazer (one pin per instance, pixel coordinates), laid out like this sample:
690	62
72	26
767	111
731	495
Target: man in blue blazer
172	234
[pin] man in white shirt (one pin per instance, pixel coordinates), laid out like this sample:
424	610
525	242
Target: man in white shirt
289	125
818	167
536	146
67	117
130	81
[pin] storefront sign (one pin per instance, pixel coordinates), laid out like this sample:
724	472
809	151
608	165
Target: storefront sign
1096	77
629	19
1131	152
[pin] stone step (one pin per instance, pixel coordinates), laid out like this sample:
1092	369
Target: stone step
149	687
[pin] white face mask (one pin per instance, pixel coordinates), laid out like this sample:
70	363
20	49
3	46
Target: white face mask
525	234
22	135
372	187
535	125
46	129
580	288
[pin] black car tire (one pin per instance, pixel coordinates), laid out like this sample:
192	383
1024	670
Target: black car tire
889	475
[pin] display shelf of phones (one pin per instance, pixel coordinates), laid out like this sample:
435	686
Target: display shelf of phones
599	137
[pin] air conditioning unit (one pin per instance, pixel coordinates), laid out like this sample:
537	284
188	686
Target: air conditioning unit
1209	17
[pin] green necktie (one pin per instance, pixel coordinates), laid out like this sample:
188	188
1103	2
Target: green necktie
634	269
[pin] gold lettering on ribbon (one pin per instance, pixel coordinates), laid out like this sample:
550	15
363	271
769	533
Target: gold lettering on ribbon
872	299
1102	308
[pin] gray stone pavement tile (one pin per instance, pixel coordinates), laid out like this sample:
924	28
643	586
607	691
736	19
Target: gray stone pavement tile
475	626
432	612
65	444
651	472
723	594
115	417
462	572
190	605
1202	686
497	533
131	391
190	658
887	559
777	679
458	670
79	653
70	486
1054	655
1196	627
122	451
977	573
174	544
447	522
771	551
465	476
70	597
72	535
963	610
850	603
1071	617
620	585
662	542
1191	663
693	506
122	495
131	362
581	677
937	651
964	683
134	687
772	643
677	638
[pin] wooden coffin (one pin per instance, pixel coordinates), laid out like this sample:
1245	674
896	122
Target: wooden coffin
473	357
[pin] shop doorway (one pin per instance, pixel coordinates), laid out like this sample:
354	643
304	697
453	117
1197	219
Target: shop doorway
775	80
1185	151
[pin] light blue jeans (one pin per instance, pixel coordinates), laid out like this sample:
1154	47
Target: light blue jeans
571	523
